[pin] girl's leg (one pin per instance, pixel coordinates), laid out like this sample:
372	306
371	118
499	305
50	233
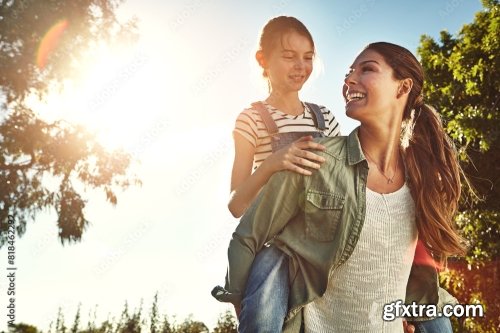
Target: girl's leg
265	304
436	325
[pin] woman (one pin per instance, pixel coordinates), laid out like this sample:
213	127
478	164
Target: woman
348	232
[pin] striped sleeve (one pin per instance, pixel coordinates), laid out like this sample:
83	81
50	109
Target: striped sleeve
333	127
246	126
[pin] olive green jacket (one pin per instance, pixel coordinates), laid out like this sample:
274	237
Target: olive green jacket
316	220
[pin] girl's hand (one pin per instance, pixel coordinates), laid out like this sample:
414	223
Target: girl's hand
408	327
295	157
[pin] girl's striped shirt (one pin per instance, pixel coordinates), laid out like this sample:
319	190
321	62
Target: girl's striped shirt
249	124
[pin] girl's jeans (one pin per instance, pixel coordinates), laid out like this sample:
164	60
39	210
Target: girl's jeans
265	304
437	325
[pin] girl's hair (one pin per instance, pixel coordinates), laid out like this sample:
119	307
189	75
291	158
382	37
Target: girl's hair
430	156
275	29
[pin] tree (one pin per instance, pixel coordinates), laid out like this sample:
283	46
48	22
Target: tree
166	327
76	323
463	83
60	325
23	328
130	323
154	322
35	152
226	323
191	326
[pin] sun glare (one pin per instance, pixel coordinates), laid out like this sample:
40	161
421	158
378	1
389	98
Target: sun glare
113	97
133	97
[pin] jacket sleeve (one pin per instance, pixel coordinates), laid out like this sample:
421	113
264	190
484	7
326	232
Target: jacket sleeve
278	202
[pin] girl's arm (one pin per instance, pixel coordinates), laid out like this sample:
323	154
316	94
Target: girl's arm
274	207
245	185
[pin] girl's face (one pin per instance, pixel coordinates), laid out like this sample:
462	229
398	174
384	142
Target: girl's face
290	63
371	91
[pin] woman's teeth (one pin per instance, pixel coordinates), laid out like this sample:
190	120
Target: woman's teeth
355	96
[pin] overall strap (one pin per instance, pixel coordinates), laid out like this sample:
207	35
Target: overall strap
271	127
317	115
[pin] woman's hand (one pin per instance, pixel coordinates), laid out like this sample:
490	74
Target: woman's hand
295	157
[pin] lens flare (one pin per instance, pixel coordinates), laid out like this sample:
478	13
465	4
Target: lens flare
49	42
422	257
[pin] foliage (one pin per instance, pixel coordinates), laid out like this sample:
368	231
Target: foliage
23	328
60	326
45	165
226	323
154	316
475	286
191	326
135	323
463	84
76	323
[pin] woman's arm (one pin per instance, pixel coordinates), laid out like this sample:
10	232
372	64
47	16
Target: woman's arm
245	185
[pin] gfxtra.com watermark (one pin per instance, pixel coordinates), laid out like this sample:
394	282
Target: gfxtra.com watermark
399	309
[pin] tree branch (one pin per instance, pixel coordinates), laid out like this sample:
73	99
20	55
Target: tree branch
15	167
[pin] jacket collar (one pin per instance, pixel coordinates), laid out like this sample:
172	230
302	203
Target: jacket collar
354	151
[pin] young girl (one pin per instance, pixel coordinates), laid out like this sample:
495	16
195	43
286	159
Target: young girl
273	134
345	237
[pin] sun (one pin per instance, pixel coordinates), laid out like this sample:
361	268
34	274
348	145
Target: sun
115	96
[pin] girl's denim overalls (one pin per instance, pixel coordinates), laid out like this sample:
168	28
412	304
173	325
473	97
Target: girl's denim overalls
265	303
279	140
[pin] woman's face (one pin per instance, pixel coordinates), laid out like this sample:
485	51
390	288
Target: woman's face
370	89
290	63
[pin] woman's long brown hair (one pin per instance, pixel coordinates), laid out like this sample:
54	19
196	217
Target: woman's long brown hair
430	158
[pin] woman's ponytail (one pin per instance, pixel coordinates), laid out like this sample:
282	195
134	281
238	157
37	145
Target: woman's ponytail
430	156
434	173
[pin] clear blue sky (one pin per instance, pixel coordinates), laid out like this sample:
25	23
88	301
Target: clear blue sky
172	100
